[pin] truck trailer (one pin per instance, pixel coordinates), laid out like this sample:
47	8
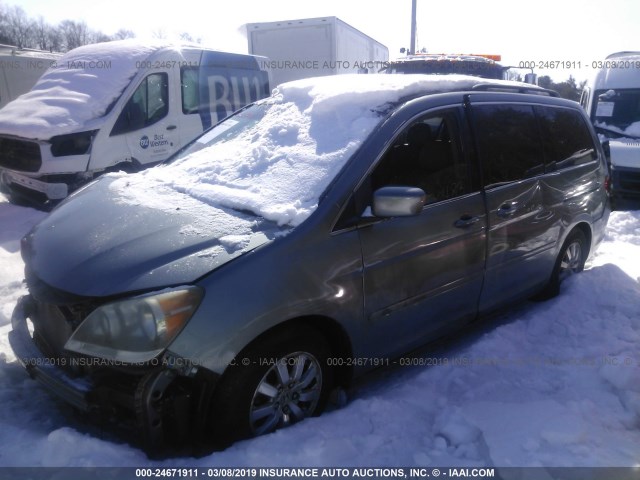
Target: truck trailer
314	47
20	69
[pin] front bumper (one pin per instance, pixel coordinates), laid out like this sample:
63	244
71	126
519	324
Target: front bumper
163	406
625	181
43	369
18	182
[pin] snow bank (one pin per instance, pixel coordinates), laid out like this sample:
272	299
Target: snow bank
546	384
75	92
279	167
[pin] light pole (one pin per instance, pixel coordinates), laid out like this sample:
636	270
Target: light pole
412	45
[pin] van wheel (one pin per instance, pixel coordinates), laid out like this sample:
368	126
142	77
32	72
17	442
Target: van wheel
571	259
275	383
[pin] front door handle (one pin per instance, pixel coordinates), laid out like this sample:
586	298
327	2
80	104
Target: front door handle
172	127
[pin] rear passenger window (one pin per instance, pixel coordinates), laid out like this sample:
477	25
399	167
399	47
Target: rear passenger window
566	138
508	143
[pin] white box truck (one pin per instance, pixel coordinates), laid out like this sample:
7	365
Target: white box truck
314	47
20	69
612	100
120	105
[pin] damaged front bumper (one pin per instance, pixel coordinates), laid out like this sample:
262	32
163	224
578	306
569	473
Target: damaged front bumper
162	405
42	368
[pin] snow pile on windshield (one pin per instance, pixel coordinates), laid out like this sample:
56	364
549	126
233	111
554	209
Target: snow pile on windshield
278	167
76	90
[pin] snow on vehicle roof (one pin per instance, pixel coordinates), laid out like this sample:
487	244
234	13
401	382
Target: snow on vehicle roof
78	89
279	166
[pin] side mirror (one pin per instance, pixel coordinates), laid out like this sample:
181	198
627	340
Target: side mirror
398	201
531	78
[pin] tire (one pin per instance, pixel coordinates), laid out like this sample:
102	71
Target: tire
276	382
571	260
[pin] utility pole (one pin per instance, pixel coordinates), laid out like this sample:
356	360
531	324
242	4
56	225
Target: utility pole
412	45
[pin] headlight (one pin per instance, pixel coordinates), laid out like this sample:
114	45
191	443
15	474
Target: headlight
138	329
71	144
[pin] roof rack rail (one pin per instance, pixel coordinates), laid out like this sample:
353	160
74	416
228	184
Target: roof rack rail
515	88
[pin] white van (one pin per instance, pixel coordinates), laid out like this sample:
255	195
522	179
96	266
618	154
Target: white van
612	100
120	105
20	69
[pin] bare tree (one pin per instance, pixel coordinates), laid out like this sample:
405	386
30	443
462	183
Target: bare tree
123	34
41	31
186	37
97	37
160	34
4	35
55	39
75	34
18	27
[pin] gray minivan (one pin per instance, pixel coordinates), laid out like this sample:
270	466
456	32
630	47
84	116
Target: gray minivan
305	240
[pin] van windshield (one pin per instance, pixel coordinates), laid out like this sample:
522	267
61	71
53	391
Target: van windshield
617	112
227	130
273	159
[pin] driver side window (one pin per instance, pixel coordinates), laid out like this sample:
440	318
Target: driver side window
148	105
428	155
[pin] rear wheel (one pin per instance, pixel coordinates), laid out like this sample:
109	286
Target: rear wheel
282	379
573	257
571	260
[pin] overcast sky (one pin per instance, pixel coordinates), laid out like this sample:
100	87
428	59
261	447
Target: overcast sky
576	32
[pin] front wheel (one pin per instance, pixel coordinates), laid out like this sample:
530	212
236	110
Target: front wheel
278	381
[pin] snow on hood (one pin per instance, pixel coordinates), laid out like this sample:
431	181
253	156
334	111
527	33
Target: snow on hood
278	167
76	91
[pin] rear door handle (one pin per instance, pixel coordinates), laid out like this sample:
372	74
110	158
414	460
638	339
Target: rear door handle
507	209
172	127
466	221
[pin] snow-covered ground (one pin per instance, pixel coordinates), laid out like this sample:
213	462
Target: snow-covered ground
546	384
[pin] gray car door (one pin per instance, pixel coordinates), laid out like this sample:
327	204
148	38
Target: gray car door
422	274
520	225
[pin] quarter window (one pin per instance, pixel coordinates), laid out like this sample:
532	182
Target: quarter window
566	139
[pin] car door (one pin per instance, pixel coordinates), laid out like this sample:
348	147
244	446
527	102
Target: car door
511	154
149	119
422	274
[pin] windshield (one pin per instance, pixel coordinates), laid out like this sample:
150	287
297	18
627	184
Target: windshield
273	159
617	111
227	130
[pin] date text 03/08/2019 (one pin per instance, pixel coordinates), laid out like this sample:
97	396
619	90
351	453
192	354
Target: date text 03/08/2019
313	472
578	64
